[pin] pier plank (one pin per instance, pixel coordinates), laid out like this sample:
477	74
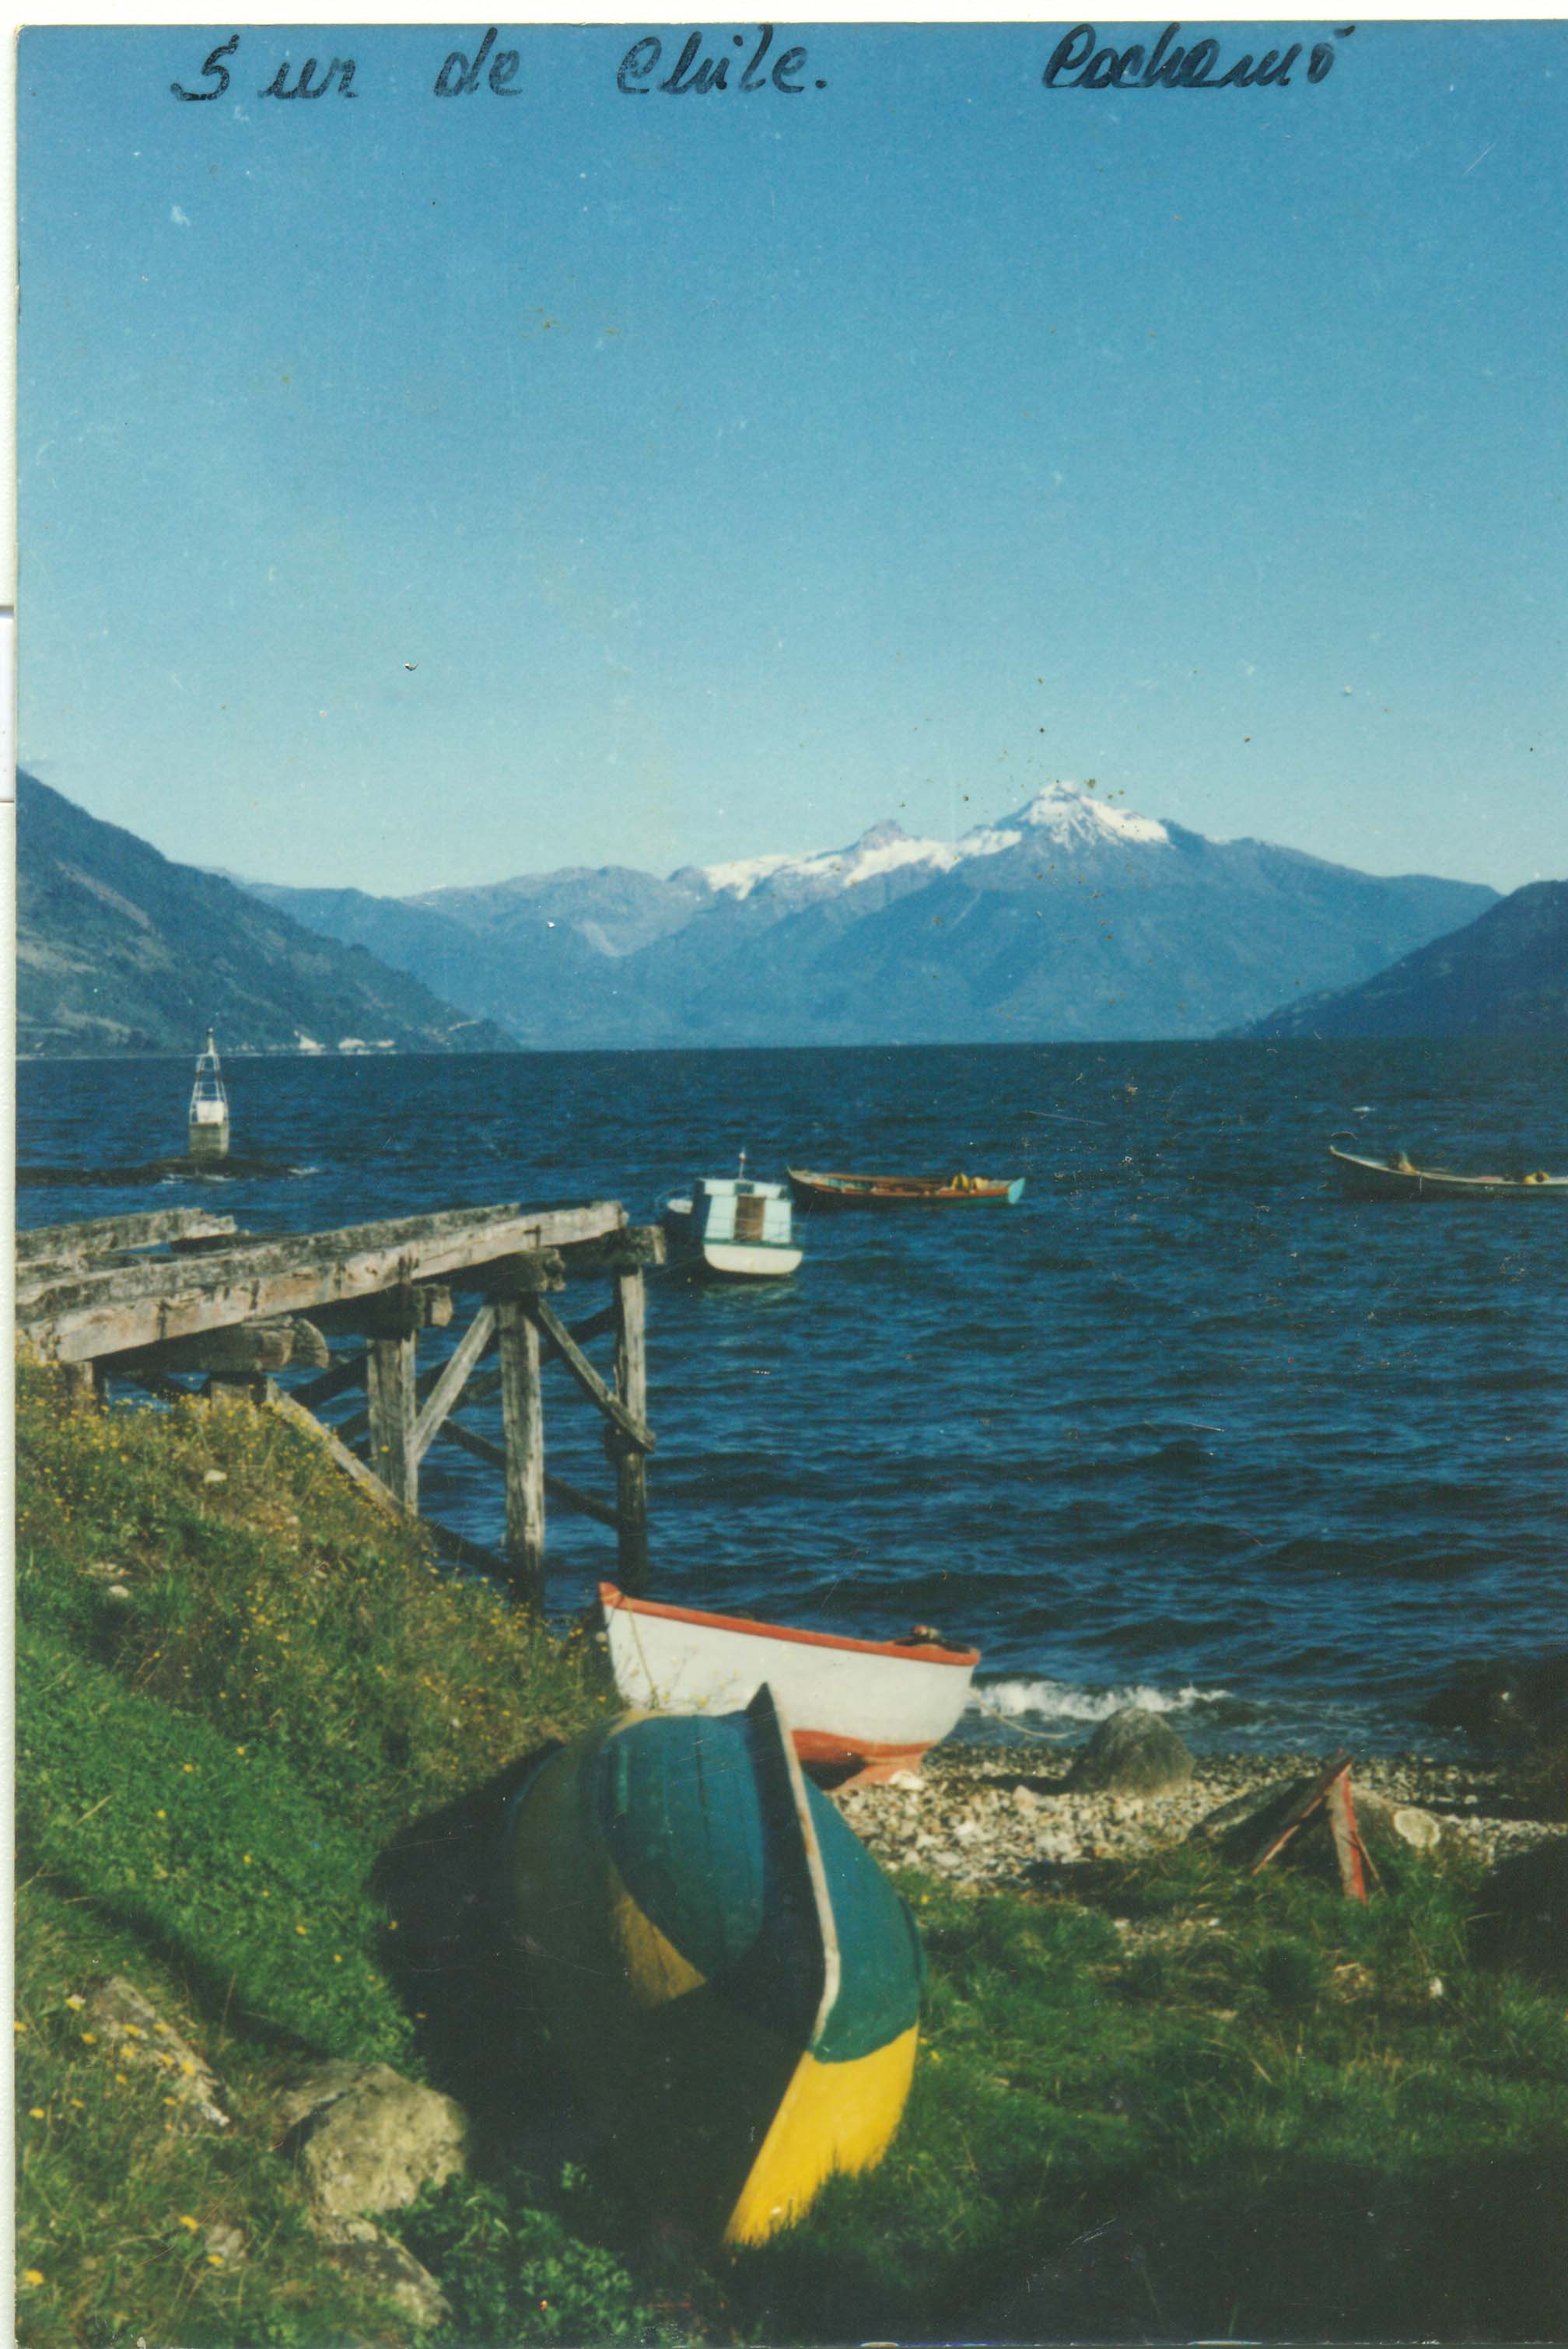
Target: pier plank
129	1307
64	1244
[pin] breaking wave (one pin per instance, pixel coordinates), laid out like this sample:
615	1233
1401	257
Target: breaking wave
1060	1701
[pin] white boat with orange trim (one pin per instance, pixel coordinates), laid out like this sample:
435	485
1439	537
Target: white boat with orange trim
859	1709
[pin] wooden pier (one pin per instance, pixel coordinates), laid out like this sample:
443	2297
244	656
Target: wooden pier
182	1294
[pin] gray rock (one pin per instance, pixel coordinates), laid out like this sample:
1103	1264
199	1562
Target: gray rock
365	2139
1133	1753
132	2026
384	2266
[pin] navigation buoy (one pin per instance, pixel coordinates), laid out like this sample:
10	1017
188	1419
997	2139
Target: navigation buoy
208	1126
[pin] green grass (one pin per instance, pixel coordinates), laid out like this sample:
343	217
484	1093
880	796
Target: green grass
1183	2102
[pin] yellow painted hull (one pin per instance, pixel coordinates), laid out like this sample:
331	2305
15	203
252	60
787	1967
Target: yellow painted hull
836	2118
721	1968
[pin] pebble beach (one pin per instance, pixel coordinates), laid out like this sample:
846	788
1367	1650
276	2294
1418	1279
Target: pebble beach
992	1822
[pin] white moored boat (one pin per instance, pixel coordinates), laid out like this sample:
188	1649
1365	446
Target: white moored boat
736	1228
208	1124
865	1707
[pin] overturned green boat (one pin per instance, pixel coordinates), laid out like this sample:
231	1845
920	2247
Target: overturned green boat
718	1963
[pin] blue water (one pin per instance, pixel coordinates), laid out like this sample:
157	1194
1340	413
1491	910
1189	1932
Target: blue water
1184	1423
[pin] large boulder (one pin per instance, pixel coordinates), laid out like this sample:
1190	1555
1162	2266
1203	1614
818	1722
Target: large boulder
1132	1752
365	2139
386	2267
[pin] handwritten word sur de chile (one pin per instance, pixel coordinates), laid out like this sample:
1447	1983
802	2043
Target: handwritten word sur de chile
459	76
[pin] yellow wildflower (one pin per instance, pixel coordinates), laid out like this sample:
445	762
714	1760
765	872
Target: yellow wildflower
194	2224
32	2276
37	2113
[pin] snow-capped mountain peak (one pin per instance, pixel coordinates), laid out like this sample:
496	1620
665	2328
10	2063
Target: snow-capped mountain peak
883	849
1072	815
1067	814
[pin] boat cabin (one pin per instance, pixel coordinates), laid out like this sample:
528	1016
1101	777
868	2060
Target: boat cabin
729	1207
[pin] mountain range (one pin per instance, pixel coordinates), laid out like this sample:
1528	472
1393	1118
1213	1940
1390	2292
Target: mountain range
1071	920
1504	974
119	949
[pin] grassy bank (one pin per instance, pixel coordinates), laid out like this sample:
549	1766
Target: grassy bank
255	1720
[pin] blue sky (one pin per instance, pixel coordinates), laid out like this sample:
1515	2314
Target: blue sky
419	491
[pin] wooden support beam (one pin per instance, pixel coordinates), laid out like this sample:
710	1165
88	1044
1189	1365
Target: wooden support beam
452	1377
464	1552
393	1312
76	1244
522	1424
145	1304
246	1349
347	1372
631	1465
526	1274
84	1385
488	1383
153	1382
629	1422
638	1247
557	1488
479	1447
389	1379
369	1484
256	1386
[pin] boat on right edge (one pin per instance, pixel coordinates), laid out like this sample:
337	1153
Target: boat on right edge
961	1190
1399	1177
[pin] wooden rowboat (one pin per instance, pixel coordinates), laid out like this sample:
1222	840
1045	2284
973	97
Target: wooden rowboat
1399	1178
859	1709
723	1971
903	1190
